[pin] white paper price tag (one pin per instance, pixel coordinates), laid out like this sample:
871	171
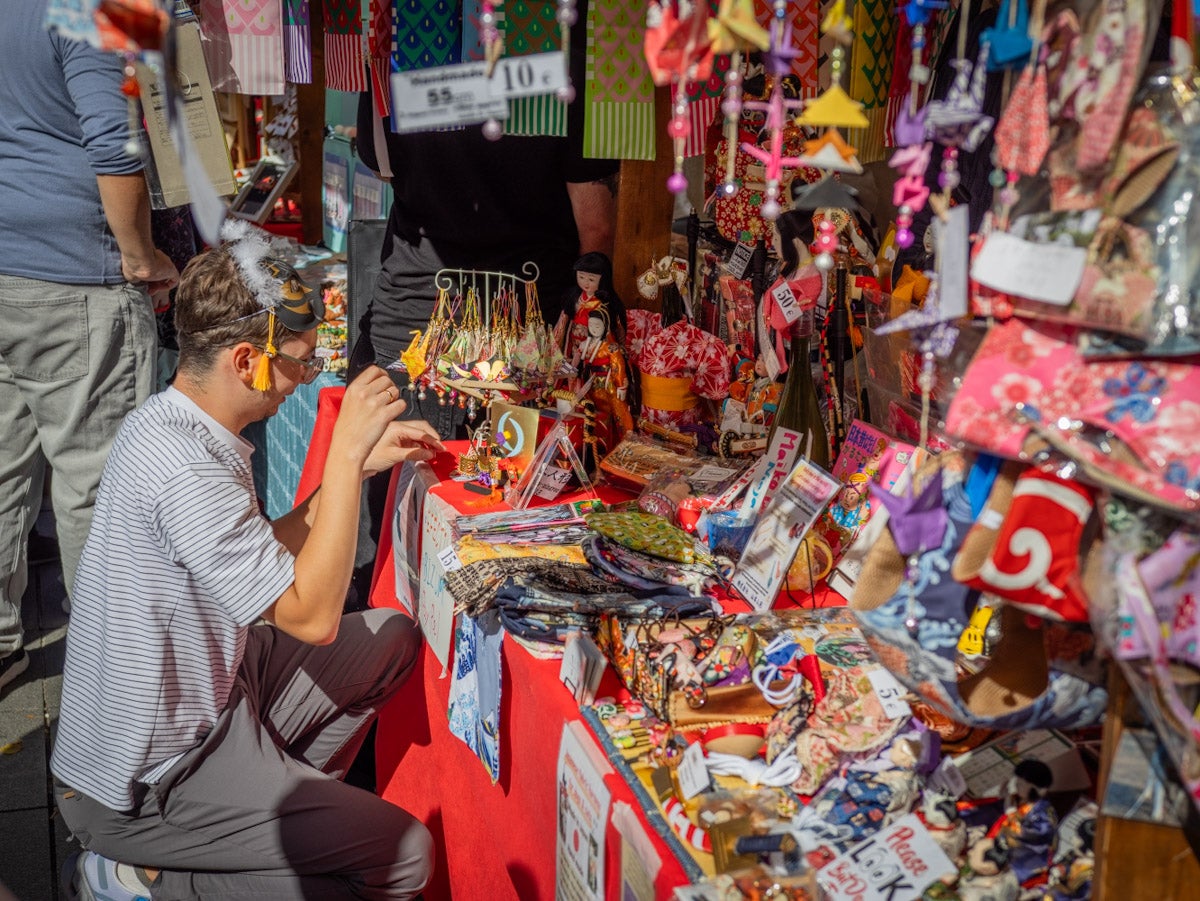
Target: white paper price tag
571	671
444	96
739	260
1047	272
692	772
449	559
788	305
890	693
526	76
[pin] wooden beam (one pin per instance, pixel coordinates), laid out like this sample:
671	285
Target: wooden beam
310	132
644	209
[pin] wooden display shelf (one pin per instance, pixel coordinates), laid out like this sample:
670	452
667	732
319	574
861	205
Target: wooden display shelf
1135	860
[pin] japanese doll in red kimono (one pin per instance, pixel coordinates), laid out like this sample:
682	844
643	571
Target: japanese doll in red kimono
595	291
679	364
600	358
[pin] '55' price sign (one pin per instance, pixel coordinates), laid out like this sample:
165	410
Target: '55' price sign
463	94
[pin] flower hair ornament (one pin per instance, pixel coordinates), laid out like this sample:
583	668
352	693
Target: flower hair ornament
275	284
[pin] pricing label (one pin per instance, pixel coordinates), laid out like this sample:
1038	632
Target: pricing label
739	260
788	305
693	772
571	671
890	693
443	97
527	76
449	559
948	778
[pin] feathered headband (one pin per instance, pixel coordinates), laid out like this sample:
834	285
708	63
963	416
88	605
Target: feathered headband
275	284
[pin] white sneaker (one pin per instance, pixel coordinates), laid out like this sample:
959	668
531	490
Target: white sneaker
86	876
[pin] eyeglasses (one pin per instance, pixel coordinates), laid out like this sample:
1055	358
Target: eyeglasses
312	368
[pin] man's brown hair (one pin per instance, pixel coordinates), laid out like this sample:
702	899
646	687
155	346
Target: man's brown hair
214	309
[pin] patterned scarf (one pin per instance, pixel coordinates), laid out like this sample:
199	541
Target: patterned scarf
619	95
297	52
344	46
243	45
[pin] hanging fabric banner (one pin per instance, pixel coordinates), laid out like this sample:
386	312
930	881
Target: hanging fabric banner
619	112
297	52
803	18
428	33
243	45
345	68
381	37
871	58
530	27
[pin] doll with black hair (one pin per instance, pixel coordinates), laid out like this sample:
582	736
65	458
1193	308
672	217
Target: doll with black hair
594	290
599	364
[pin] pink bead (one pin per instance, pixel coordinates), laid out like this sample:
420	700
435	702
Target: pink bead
904	238
677	183
678	127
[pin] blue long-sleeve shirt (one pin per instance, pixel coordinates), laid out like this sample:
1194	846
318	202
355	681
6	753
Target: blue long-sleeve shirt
63	121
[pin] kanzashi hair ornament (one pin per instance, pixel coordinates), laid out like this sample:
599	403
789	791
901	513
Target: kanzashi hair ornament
493	46
734	30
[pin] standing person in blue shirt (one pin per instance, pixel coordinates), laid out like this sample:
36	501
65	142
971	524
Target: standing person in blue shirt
77	268
200	748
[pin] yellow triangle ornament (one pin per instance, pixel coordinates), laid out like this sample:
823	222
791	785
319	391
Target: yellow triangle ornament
735	27
834	108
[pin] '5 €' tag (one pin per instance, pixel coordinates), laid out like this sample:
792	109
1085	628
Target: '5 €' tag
890	693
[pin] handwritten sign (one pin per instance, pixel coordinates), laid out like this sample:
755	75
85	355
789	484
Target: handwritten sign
896	863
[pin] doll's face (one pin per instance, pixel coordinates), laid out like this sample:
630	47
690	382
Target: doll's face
588	281
596	326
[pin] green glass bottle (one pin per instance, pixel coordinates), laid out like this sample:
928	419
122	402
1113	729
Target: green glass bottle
799	409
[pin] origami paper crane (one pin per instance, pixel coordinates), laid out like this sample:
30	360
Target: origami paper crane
958	121
677	50
735	28
917	521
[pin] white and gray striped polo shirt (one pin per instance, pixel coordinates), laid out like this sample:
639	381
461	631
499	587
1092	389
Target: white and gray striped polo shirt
178	564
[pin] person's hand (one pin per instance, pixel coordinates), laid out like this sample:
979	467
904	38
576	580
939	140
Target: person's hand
158	274
411	439
371	402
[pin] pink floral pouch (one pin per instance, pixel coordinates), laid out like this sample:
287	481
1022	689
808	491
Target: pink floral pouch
1132	426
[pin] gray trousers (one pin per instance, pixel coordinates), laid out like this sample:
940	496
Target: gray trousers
74	360
258	810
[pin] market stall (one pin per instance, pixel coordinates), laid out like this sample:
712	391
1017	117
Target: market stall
794	552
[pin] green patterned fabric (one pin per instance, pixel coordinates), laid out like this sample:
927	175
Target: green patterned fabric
619	96
530	27
645	532
428	33
871	59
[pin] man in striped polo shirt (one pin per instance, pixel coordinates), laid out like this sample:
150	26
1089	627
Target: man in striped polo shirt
198	746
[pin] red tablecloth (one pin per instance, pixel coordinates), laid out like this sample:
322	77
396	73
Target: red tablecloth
492	841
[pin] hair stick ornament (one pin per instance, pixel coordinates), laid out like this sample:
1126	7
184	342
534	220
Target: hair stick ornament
678	51
734	30
493	47
566	16
778	63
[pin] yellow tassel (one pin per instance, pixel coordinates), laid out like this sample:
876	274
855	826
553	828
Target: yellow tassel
262	374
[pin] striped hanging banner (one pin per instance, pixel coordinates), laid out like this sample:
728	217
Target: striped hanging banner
619	95
297	40
345	67
530	27
243	45
381	35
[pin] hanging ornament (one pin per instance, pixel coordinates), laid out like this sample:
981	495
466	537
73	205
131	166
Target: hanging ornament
778	62
733	30
566	16
677	52
493	47
834	108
